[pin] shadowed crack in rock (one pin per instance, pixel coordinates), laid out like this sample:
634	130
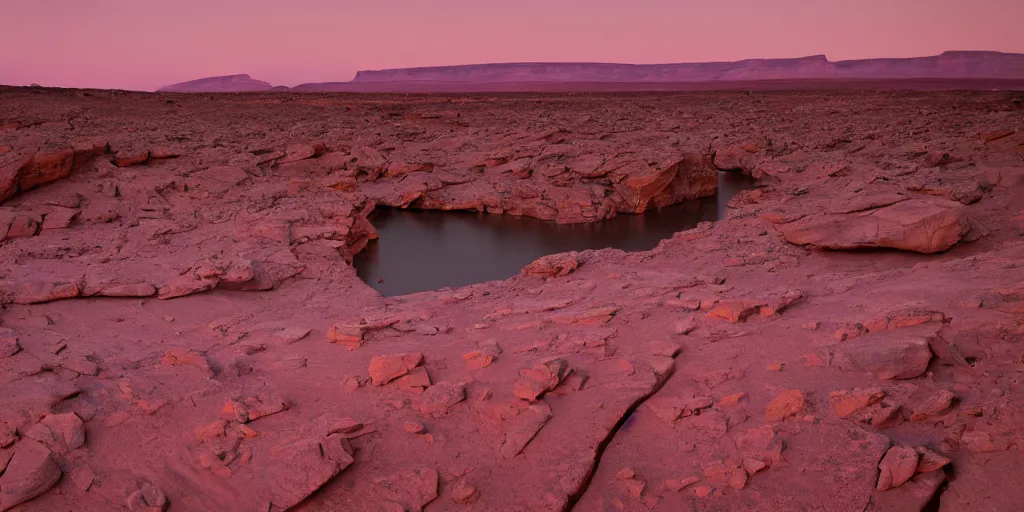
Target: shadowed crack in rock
575	498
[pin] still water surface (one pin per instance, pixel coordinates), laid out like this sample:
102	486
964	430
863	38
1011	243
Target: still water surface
427	250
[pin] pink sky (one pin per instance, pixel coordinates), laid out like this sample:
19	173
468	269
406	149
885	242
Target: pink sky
145	44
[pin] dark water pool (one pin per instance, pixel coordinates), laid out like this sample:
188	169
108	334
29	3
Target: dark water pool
427	250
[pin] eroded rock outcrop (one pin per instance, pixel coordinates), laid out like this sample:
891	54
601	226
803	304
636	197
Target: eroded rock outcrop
913	225
727	369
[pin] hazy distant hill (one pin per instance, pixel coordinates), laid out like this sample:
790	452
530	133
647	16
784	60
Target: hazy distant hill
965	67
947	65
230	83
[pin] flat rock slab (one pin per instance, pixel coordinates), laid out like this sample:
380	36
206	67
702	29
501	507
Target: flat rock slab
916	225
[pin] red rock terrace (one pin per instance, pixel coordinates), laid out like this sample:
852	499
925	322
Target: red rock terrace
181	328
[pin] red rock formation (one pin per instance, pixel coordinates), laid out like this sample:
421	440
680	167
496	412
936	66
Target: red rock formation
729	368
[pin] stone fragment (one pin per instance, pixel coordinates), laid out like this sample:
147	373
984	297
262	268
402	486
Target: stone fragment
846	403
414	427
184	285
8	346
32	470
886	356
59	218
635	487
163	153
786	404
37	292
440	397
292	334
60	433
665	348
83	478
293	471
932	405
7	435
251	408
520	429
554	265
130	157
410	490
998	134
752	466
346	334
462	492
929	461
477	360
670	408
686	325
730	400
147	498
761	443
386	368
186	358
23	226
416	379
897	467
128	290
211	430
536	381
296	152
734	310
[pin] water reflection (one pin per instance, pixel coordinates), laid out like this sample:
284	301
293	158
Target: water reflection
427	250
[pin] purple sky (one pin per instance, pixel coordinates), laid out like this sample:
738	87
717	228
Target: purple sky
145	44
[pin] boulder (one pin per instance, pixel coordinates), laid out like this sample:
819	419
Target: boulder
886	356
60	433
32	471
440	397
554	265
917	225
897	467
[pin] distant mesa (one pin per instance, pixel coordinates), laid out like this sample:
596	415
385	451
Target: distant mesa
541	76
230	83
947	65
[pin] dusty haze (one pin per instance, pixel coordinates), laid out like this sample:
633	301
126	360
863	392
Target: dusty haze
133	45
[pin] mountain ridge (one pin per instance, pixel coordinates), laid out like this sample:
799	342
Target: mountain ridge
949	65
226	83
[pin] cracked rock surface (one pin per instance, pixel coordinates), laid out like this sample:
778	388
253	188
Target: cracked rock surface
182	330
